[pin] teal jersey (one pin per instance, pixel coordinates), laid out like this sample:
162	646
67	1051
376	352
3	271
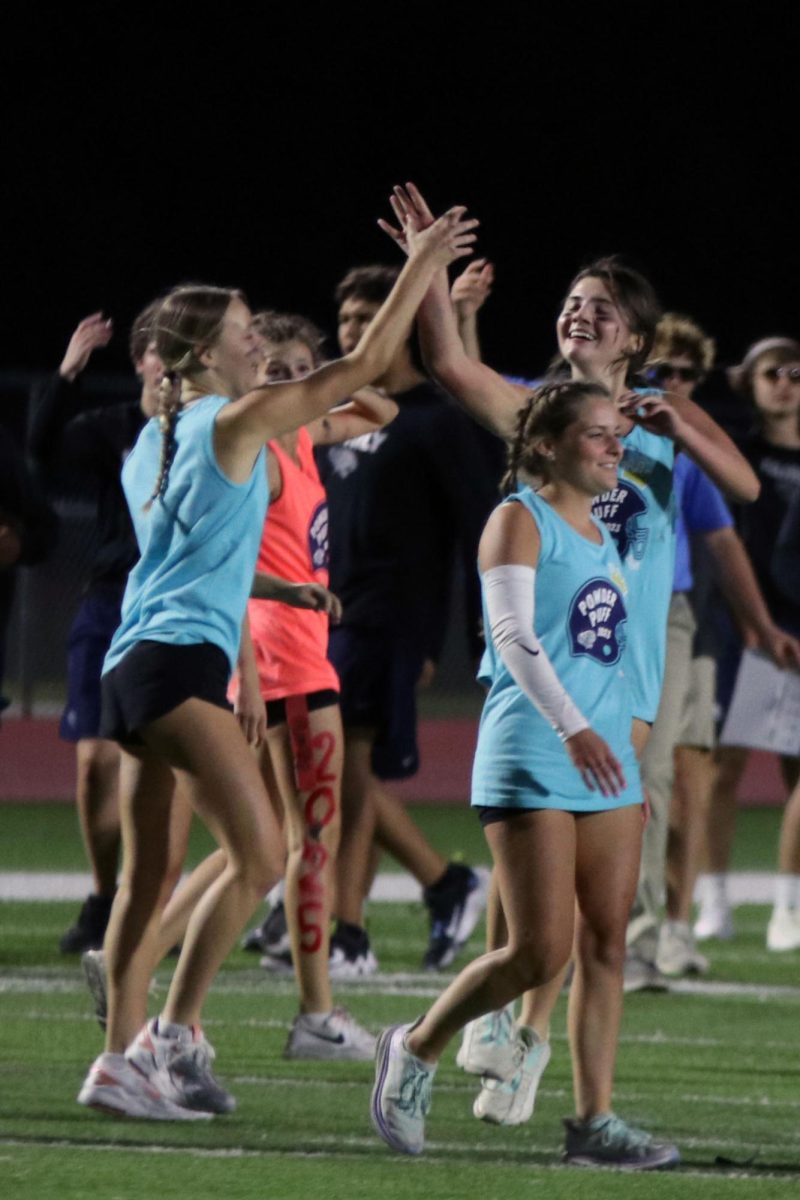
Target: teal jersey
640	514
581	621
198	542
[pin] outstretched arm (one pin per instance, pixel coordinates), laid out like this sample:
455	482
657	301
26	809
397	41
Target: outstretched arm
364	412
485	394
469	293
243	426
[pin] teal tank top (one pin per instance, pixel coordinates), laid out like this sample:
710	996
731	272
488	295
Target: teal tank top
198	543
581	621
640	515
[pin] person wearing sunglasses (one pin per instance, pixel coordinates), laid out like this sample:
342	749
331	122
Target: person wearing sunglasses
769	378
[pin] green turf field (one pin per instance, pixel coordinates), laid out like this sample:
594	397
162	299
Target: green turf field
716	1068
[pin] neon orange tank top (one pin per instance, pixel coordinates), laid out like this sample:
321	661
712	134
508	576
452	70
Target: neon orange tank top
291	644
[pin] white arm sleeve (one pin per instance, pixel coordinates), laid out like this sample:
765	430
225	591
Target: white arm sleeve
509	592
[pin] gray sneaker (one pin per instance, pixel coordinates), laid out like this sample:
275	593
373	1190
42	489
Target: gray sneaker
336	1035
641	975
180	1067
608	1141
511	1101
487	1045
401	1097
94	970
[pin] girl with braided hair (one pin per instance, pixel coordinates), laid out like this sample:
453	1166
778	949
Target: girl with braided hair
196	486
555	779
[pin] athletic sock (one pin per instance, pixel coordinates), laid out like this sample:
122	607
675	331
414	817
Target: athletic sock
787	892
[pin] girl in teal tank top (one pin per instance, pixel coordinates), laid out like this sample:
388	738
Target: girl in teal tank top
196	490
556	779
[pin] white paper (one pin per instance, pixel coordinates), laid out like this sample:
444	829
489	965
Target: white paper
765	710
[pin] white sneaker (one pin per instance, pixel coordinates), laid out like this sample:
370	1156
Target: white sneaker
510	1102
113	1085
715	919
401	1097
487	1045
180	1067
329	1036
783	931
345	964
677	954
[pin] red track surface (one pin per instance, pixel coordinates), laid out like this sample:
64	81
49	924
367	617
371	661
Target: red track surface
36	765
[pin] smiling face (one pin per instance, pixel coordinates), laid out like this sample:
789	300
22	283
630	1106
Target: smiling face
282	361
776	386
593	334
588	453
234	355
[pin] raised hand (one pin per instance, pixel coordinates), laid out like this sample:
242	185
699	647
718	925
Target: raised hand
420	232
473	287
93	332
600	770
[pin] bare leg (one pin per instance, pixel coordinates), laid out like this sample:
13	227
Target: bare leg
312	829
729	763
97	762
205	747
358	827
537	1007
688	823
534	856
131	944
789	841
607	868
398	834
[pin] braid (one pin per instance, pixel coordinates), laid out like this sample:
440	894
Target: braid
548	412
169	408
515	450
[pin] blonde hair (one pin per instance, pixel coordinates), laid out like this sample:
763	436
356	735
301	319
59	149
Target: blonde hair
679	334
188	318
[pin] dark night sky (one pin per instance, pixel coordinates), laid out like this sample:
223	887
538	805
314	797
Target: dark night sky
256	148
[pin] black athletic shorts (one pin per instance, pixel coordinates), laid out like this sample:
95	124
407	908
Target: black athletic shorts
378	673
276	709
155	677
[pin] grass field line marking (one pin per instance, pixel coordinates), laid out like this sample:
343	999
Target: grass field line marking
57	980
468	1150
744	887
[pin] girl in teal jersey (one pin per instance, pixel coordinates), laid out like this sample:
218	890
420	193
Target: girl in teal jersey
196	486
605	331
556	781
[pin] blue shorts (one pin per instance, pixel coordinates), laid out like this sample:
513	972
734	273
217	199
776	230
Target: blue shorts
90	636
378	674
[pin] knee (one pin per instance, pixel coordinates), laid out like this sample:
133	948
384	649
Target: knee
530	963
603	948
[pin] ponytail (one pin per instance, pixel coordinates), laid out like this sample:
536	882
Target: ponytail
169	407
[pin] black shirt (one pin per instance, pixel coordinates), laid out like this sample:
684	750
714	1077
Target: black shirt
403	502
87	450
770	527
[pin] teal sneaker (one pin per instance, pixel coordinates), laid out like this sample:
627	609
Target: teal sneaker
608	1141
487	1045
510	1101
401	1098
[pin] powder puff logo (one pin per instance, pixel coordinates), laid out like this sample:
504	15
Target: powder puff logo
621	511
597	619
318	537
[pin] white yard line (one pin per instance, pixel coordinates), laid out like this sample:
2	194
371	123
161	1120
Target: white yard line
745	887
